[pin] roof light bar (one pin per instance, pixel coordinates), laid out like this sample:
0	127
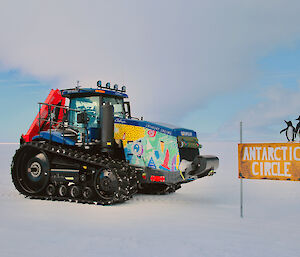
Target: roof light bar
108	86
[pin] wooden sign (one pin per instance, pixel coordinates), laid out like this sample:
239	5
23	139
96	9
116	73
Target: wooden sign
276	161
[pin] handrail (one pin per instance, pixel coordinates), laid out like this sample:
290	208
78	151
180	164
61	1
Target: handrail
62	107
61	123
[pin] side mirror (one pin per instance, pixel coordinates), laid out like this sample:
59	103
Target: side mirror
127	109
83	118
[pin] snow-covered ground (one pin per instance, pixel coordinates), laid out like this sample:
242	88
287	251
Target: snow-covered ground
201	219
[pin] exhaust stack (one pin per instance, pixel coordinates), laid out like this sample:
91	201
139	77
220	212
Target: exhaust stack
107	127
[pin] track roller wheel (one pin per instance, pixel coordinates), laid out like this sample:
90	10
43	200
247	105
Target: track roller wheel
62	190
87	193
106	185
75	191
50	190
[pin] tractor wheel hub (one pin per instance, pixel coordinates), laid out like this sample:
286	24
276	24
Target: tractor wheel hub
35	169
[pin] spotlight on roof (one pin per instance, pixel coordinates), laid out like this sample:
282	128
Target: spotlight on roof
99	83
123	89
116	87
107	85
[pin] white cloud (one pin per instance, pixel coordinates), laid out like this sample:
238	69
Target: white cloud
264	120
172	55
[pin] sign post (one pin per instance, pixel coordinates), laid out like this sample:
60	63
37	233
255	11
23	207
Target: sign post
241	179
268	161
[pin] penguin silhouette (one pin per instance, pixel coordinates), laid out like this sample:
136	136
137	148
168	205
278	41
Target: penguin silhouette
289	131
297	131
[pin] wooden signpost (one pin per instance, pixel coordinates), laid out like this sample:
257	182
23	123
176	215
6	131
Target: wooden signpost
274	161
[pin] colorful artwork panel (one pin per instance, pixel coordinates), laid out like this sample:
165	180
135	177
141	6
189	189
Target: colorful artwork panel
146	147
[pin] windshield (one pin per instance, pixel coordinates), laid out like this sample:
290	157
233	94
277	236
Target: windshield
88	104
117	103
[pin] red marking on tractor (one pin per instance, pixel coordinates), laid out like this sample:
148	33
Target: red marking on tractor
100	91
157	178
166	161
151	133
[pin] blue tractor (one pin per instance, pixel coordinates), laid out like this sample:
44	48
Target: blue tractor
85	146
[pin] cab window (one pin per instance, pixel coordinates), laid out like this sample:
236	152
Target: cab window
90	105
118	105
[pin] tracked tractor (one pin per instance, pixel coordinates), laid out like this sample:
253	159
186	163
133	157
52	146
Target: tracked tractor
85	146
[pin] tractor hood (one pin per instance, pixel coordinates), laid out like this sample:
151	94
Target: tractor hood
159	127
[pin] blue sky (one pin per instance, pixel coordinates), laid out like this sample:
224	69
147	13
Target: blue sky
280	68
204	65
19	98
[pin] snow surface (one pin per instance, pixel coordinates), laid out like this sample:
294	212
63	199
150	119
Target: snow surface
201	219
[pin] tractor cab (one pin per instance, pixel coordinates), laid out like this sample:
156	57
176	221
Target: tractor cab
90	103
82	120
85	107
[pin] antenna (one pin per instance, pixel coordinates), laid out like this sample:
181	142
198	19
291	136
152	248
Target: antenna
77	84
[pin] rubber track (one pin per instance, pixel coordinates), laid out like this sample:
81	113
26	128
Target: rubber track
126	174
